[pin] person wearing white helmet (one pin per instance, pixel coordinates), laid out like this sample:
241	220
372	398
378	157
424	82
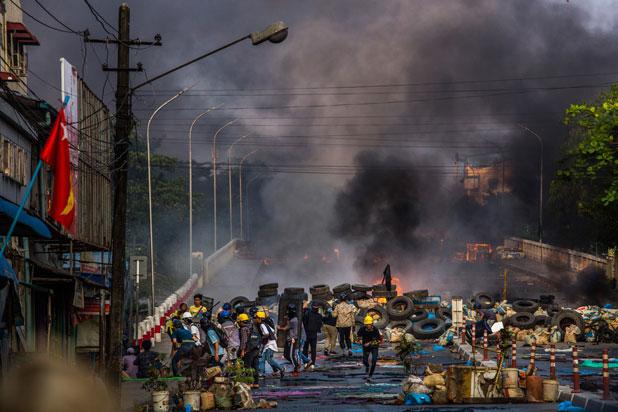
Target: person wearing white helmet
189	324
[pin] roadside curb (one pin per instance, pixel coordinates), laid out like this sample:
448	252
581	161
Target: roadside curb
590	401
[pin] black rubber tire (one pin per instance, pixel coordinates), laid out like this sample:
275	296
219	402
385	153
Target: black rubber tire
321	303
269	286
361	288
522	320
565	318
293	291
324	296
319	289
406	325
445	313
525	305
378	287
484	299
344	287
439	326
400	308
418	315
359	295
266	293
238	300
380	323
384	294
542	320
553	310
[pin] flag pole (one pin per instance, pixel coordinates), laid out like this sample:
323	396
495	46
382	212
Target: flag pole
26	196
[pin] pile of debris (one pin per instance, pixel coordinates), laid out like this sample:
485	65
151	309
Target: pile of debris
475	384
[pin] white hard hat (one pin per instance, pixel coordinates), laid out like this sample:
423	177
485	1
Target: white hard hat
187	315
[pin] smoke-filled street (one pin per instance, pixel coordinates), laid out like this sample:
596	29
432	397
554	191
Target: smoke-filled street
306	205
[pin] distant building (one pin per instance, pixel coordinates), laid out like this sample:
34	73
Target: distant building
484	181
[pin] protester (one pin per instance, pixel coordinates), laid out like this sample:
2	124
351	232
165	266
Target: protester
313	324
269	344
345	312
290	328
330	332
128	363
183	344
211	339
370	338
250	342
189	324
226	320
175	315
145	360
197	309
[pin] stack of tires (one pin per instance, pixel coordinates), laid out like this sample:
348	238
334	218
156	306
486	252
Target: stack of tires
379	291
268	294
321	292
360	291
342	291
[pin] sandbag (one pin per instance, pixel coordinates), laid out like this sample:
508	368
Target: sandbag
540	312
440	396
571	333
224	396
396	335
242	396
431	381
409	382
555	335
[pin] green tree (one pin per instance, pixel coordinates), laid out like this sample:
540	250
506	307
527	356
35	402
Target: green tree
587	180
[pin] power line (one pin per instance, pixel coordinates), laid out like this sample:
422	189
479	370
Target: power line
42	22
55	18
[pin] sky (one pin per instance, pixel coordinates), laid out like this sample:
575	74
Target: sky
433	83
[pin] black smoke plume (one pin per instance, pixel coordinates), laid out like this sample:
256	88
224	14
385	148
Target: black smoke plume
378	211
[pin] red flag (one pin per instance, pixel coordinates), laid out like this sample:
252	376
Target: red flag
56	155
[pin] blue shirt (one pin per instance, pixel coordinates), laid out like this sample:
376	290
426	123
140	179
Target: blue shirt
212	339
182	335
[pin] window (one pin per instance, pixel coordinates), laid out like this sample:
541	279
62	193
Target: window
13	161
5	156
17	56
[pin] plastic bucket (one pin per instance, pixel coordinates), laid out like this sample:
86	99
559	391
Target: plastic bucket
510	377
534	388
160	401
550	390
192	398
207	401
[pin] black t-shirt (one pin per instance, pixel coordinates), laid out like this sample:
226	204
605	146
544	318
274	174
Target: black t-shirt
372	337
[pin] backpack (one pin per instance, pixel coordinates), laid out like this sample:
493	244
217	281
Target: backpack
255	339
224	341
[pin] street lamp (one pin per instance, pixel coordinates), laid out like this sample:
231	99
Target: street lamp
198	117
540	228
275	33
229	182
168	101
240	189
214	176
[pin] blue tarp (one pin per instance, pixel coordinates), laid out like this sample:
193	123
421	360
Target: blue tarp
34	223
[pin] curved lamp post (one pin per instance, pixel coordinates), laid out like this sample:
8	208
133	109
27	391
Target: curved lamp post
214	177
168	101
198	117
540	229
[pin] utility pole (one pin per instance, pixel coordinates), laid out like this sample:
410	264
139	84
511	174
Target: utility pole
119	178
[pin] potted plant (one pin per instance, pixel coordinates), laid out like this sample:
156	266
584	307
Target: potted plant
191	393
158	391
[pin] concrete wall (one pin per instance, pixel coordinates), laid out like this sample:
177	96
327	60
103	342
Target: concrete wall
555	256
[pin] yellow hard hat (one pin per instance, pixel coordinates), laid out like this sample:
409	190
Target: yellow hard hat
260	314
243	317
382	300
368	320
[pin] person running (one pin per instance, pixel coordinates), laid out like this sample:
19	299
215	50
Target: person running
345	312
290	352
251	349
269	341
313	324
198	309
370	338
183	344
330	331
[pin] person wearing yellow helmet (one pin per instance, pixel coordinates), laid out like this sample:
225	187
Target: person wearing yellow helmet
370	338
269	344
